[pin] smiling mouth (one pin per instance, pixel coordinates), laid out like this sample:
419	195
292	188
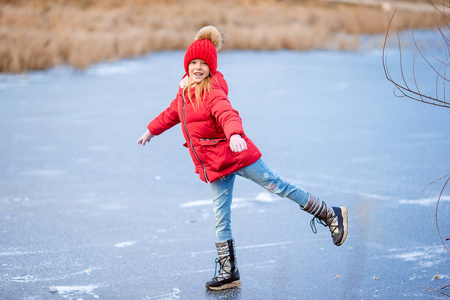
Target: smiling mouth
198	74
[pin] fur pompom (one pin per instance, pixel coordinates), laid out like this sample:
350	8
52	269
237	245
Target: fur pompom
211	33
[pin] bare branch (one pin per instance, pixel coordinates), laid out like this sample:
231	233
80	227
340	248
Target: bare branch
414	77
443	83
402	87
425	59
439	291
437	205
436	215
401	63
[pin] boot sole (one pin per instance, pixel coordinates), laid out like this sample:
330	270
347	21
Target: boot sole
230	285
345	223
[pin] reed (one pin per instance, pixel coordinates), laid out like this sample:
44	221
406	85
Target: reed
39	34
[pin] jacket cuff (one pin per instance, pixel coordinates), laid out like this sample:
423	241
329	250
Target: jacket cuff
153	129
233	128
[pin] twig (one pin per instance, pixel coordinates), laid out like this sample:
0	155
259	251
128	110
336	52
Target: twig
439	291
437	207
426	60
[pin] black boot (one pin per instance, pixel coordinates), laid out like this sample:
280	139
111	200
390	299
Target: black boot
333	217
228	276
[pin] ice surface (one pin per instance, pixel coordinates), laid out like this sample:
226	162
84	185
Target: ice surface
85	210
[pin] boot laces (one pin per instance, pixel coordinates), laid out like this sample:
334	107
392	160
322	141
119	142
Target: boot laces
215	269
334	226
221	272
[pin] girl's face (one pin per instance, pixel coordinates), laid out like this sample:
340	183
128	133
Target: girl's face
198	70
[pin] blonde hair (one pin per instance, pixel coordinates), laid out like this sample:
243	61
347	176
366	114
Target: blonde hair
201	89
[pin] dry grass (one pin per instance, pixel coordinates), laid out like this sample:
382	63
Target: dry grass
44	33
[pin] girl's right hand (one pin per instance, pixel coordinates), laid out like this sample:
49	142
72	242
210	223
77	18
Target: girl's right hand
145	138
237	143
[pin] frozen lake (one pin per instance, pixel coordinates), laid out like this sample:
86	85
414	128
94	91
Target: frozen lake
85	210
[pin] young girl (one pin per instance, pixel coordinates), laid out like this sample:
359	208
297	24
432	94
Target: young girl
220	150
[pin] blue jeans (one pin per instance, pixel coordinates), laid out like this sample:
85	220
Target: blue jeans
258	172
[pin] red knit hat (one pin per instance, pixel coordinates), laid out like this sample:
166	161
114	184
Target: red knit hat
207	42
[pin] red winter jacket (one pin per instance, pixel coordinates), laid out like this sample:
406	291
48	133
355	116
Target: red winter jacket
207	131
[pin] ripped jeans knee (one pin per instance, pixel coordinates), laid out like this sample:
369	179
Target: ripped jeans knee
261	174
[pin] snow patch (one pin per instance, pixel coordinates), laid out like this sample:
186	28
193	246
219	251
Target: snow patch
71	291
125	244
425	256
264	197
24	278
237	202
14	199
196	203
87	271
412	256
425	201
378	197
80	288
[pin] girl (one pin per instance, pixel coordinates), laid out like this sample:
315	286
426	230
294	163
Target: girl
220	150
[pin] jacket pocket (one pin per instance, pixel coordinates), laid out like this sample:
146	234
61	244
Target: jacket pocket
217	154
211	142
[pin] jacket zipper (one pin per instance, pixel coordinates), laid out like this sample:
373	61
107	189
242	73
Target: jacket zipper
190	141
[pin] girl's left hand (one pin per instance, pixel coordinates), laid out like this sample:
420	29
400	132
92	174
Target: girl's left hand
237	143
